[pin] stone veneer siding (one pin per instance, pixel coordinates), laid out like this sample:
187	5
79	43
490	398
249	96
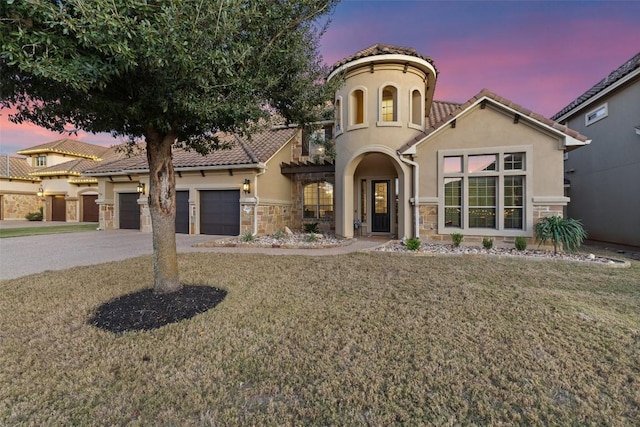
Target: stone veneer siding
271	218
106	214
17	206
297	196
72	210
429	223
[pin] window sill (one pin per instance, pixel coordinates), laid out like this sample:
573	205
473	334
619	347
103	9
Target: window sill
388	124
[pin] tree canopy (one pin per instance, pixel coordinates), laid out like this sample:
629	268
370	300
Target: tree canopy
174	72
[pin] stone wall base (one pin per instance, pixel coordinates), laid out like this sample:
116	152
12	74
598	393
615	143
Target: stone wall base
17	206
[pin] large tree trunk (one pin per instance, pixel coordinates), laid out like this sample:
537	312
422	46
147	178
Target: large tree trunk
162	206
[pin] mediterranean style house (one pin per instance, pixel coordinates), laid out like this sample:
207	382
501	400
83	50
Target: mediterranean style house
405	165
604	177
51	176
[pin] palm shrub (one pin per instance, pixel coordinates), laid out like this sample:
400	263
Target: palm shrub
567	232
311	227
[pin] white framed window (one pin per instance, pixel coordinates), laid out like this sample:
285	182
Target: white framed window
40	161
596	114
484	191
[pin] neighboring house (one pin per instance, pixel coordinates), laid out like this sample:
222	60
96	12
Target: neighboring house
405	165
604	177
51	177
18	189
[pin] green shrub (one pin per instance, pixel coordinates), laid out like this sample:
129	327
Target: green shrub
279	234
413	244
311	237
456	238
247	237
487	242
311	227
521	243
565	232
34	216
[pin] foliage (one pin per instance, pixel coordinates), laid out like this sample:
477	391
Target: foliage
174	73
247	237
521	243
456	238
311	227
35	216
279	235
413	244
565	232
487	242
311	237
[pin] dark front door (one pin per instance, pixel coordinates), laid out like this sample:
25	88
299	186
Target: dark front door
182	212
381	208
220	212
58	208
129	211
90	211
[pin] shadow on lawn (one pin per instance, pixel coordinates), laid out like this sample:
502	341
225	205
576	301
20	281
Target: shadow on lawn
144	310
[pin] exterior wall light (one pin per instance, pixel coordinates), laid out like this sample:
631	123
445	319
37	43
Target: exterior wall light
140	188
40	192
246	187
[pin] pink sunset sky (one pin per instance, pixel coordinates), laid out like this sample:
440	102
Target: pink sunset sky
539	54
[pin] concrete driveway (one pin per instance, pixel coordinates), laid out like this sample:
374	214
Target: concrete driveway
20	256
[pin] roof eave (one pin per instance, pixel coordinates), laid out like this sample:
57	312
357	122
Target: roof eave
258	165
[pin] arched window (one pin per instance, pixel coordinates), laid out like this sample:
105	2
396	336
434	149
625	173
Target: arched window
416	108
318	200
356	107
389	104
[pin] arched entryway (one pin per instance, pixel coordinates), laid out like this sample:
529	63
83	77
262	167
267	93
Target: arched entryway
375	194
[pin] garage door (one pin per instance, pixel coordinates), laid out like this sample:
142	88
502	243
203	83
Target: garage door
89	208
220	212
58	208
182	212
129	211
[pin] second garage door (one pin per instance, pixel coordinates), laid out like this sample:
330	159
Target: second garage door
182	212
90	210
220	212
129	211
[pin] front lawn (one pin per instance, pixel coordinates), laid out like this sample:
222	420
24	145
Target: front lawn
361	339
46	229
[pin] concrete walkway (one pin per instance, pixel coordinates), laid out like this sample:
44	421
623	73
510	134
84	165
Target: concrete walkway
20	256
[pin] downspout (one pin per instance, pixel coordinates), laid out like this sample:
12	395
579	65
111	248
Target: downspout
257	199
416	212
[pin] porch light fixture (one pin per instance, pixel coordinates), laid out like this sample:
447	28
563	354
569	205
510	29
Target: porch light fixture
140	188
246	186
40	192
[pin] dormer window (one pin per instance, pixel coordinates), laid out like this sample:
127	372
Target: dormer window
39	161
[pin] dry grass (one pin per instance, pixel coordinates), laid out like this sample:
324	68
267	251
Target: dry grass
363	339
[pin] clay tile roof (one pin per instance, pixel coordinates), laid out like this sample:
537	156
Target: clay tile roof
382	49
70	147
442	113
615	76
19	168
243	151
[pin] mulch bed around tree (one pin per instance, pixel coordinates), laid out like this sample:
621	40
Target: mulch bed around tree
145	310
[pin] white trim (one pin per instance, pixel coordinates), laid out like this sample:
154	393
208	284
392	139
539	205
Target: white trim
428	201
396	104
415	61
351	124
418	126
551	200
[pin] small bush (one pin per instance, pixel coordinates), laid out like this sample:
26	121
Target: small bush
279	235
34	216
521	243
413	244
311	237
248	237
565	232
311	227
487	242
456	238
